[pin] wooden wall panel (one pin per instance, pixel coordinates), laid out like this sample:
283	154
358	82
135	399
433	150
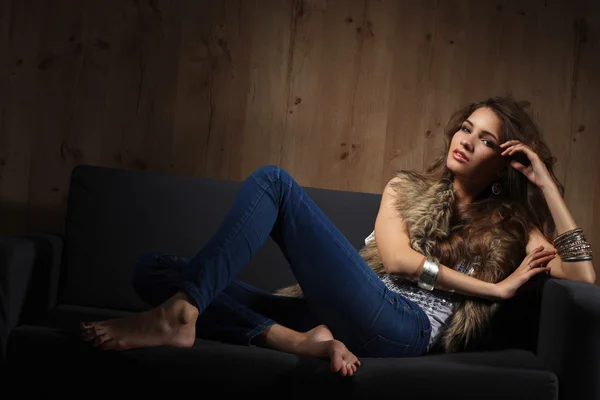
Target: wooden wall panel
339	92
195	102
583	168
57	69
230	54
268	98
19	26
305	101
344	51
359	157
410	86
545	70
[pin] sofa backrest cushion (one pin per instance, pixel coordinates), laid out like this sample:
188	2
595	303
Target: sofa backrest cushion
114	216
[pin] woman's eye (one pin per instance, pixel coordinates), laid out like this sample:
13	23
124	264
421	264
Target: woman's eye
464	128
488	143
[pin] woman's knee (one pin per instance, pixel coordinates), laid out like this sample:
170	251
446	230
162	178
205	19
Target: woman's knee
270	172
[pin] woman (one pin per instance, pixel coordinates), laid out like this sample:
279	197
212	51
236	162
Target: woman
447	246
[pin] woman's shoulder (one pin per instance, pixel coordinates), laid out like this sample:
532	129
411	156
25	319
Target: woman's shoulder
408	183
402	175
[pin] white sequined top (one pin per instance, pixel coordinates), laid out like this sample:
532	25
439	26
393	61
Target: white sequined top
437	304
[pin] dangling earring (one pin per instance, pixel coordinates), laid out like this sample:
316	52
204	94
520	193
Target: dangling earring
496	188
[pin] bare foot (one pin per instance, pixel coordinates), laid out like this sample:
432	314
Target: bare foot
173	323
319	343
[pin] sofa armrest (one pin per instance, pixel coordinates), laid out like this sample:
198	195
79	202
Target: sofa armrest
569	336
29	272
17	257
43	287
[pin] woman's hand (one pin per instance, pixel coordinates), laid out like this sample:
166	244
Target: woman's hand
534	263
536	171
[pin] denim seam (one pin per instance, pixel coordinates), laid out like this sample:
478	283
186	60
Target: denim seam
250	291
195	295
245	318
381	290
234	234
251	320
260	329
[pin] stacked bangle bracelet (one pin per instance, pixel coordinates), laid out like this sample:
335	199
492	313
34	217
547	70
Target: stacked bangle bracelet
572	246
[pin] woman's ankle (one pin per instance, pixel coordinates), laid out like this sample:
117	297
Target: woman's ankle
181	306
278	337
181	295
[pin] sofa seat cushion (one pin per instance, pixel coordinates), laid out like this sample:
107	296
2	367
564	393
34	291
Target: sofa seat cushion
57	356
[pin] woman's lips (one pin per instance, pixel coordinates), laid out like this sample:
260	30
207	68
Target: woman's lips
459	157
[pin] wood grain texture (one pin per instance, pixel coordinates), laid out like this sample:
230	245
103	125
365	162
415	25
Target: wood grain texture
583	166
339	92
20	21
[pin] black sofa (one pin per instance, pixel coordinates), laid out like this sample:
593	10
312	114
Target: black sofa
544	343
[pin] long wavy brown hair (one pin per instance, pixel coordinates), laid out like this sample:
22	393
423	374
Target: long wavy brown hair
519	206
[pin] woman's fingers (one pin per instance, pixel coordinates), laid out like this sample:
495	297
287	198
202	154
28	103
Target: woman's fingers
516	146
529	257
531	260
540	258
539	252
538	265
543	260
542	254
534	271
509	150
509	142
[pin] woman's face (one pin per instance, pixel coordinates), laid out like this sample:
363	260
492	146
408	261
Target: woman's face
479	141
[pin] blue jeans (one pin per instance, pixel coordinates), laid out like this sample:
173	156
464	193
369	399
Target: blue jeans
340	289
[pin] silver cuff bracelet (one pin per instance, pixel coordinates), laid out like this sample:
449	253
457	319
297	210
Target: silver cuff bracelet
429	275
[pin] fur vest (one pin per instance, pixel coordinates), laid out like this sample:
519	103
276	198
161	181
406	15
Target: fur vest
427	210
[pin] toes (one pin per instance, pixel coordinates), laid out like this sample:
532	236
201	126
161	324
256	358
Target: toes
337	362
93	332
101	339
352	359
88	335
350	369
100	329
343	371
86	325
347	371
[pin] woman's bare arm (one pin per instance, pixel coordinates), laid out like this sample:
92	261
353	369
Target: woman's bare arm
577	271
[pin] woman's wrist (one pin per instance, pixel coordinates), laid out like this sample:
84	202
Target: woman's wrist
549	188
496	292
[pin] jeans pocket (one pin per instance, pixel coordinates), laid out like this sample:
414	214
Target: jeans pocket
380	346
